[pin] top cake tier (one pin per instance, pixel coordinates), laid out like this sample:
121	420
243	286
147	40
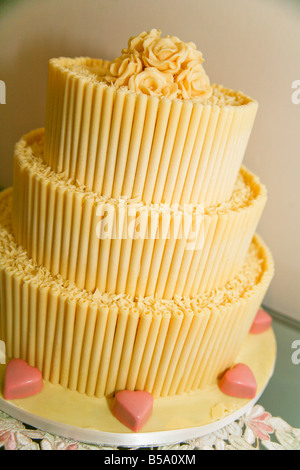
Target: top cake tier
148	125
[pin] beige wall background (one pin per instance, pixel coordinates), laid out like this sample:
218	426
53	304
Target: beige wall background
252	45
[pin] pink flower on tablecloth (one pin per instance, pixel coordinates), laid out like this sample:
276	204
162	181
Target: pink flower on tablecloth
14	435
8	441
258	422
51	442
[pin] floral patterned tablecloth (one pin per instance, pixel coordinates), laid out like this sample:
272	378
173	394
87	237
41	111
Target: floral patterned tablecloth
256	430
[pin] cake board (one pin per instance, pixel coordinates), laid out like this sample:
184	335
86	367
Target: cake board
175	419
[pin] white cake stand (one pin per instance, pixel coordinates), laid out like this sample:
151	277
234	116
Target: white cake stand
177	419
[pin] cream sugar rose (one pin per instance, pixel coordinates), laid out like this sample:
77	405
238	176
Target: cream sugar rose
160	66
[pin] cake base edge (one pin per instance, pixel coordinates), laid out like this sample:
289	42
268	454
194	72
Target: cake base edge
72	415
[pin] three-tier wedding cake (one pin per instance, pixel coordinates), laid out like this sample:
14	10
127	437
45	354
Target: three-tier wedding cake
128	253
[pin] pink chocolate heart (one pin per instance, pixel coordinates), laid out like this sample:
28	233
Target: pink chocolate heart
262	322
238	382
21	380
132	408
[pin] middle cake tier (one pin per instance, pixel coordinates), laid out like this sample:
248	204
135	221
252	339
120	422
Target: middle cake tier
123	246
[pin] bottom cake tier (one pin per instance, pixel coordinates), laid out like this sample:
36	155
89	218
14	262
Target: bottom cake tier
101	343
67	413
